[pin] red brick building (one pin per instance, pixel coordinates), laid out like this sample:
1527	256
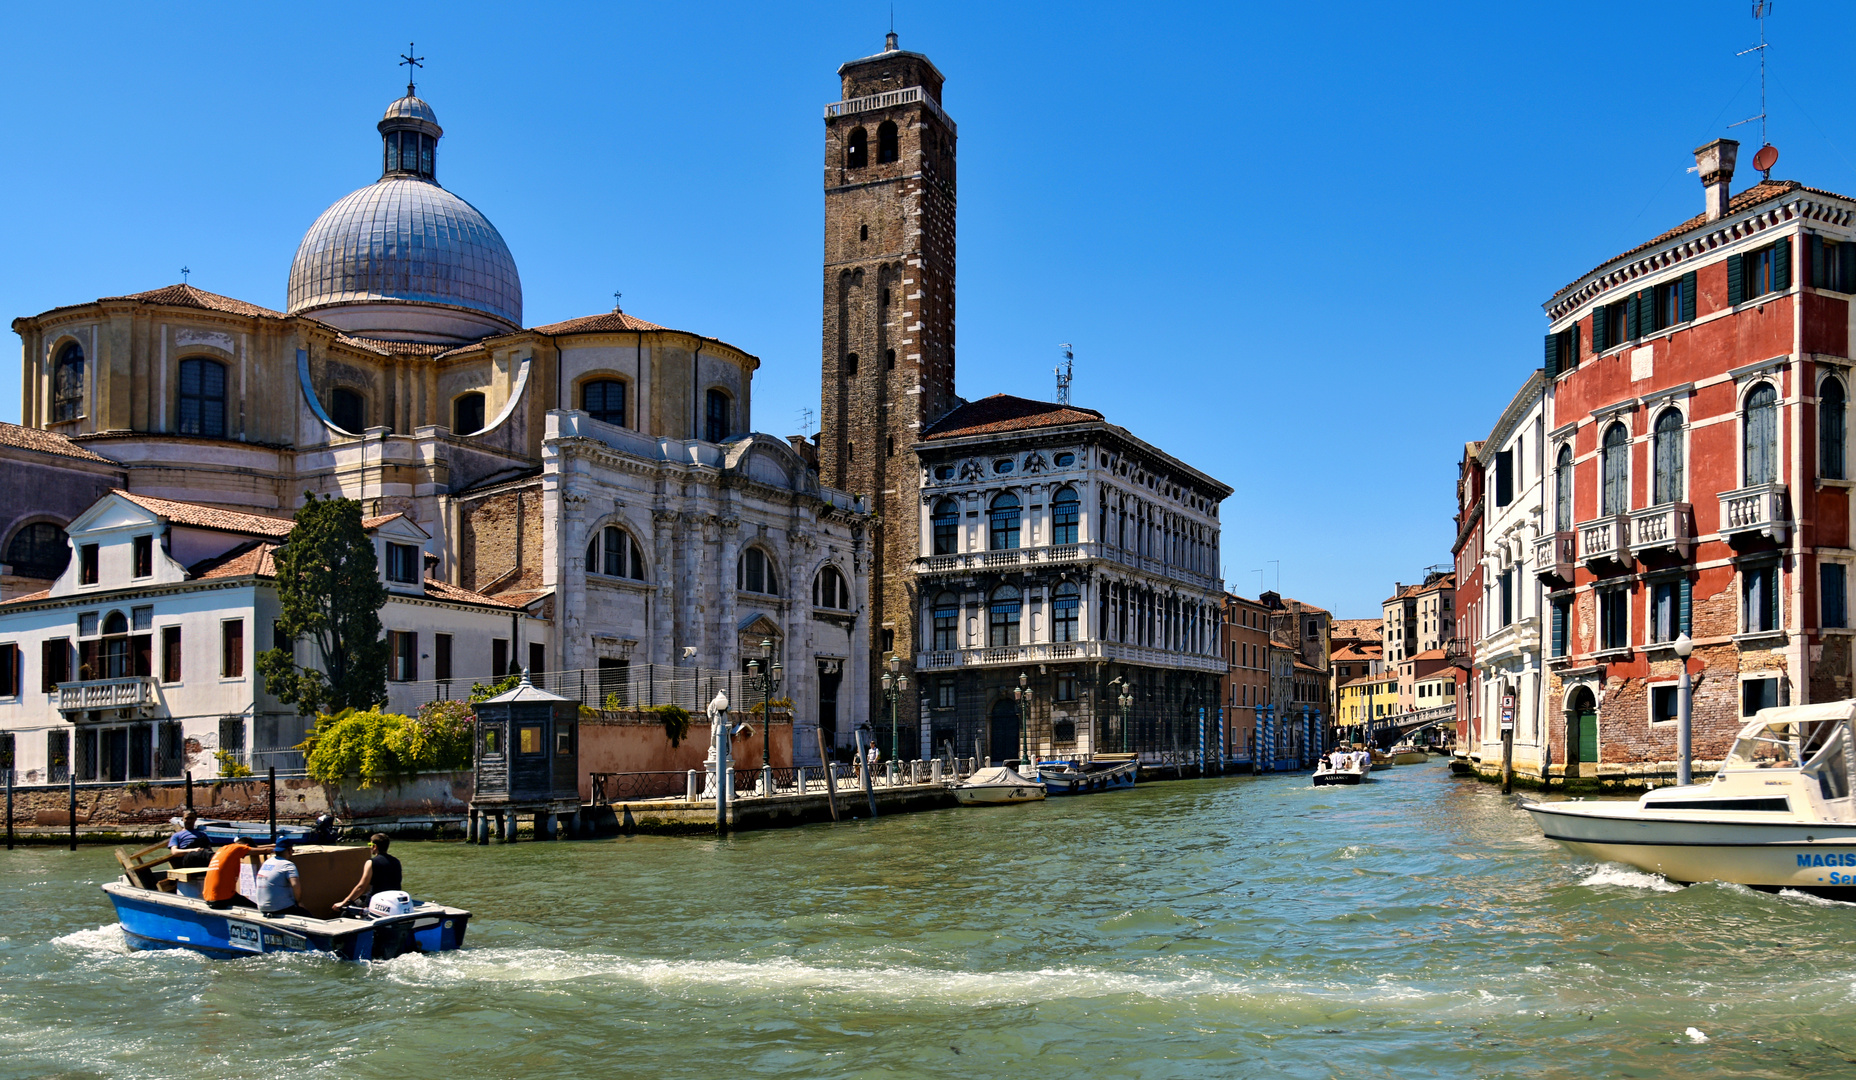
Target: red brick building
1698	450
1467	550
1246	686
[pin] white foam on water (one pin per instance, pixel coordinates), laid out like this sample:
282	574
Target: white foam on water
1814	901
1613	874
103	941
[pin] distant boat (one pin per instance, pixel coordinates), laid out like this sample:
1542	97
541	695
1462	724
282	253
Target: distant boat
997	786
1351	770
1409	754
1108	773
220	833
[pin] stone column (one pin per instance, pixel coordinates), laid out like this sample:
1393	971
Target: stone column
663	648
702	580
729	641
570	583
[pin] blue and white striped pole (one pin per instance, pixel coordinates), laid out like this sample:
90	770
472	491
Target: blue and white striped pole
1201	742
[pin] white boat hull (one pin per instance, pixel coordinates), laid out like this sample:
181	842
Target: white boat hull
1810	856
997	794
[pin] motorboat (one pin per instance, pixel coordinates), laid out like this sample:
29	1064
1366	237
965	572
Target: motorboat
997	786
163	909
1778	814
1352	769
1380	759
1110	772
1408	754
220	833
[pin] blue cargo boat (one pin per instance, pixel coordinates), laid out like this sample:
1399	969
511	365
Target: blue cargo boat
152	919
1108	773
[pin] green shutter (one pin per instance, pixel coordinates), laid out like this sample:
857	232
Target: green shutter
1631	329
1782	265
1683	603
1572	346
1736	279
1846	267
1817	262
1688	296
1646	313
1559	629
1598	329
1553	355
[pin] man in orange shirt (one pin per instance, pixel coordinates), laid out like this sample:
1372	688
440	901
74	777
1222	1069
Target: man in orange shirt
221	887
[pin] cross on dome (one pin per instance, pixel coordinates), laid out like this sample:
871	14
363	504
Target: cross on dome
411	63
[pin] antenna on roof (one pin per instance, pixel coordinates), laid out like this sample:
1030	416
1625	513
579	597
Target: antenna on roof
1768	155
411	64
805	422
1064	371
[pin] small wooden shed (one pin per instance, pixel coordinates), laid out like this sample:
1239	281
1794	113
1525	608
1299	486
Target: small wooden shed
527	760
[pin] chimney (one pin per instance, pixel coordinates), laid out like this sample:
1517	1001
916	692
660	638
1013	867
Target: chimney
1715	163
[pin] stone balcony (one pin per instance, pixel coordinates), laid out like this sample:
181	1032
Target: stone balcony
1760	510
134	692
968	562
1059	652
1606	538
1555	555
1668	527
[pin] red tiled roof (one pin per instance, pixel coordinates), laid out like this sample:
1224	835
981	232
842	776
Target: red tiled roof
372	523
1753	196
394	348
1431	654
246	560
1364	629
521	597
45	442
40	595
1003	412
209	517
188	296
444	590
606	322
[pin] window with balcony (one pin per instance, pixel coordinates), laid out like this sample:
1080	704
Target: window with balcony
1562	490
1759	435
1004	616
1613	618
1614	463
1065	606
1065	511
946	614
1667	451
755	573
202	402
1833	595
1832	405
946	527
1005	516
1759	599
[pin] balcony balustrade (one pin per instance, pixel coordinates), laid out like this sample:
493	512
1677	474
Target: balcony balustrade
1605	538
1021	558
1760	510
1669	527
133	692
1555	554
1064	652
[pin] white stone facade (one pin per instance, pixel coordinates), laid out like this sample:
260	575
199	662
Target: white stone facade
1509	661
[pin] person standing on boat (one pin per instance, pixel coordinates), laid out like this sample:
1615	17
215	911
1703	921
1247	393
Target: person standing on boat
381	873
190	846
280	889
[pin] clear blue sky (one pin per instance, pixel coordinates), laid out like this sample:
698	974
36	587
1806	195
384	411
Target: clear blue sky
1301	247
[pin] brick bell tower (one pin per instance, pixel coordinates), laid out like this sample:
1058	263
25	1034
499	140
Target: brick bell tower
888	351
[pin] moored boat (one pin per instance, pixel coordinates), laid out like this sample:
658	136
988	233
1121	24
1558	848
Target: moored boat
1778	814
997	786
1111	772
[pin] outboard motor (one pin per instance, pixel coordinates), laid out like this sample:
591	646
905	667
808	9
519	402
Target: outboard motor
388	904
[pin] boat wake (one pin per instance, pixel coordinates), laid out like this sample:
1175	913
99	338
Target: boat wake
1612	874
103	941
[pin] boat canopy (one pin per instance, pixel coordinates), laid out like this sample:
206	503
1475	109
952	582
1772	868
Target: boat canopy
998	774
1814	738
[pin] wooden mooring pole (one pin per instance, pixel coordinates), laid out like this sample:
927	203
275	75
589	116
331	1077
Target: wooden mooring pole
273	779
9	808
189	789
831	780
1507	758
72	803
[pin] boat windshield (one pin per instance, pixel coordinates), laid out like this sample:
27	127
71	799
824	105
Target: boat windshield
1765	746
1828	767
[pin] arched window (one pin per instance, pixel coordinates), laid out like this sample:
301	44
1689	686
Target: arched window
1831	430
1562	491
467	414
349	410
1005	614
946	527
114	654
1065	604
830	590
604	401
755	573
857	149
68	383
203	399
1760	435
1668	452
718	422
613	553
1615	462
946	622
1005	515
39	550
886	149
1065	510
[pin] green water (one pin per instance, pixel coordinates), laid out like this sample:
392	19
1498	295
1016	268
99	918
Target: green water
1245	927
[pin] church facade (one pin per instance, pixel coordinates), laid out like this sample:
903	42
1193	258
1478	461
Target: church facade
600	474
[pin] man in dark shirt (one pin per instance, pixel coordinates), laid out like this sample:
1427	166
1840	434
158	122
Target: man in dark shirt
190	846
380	874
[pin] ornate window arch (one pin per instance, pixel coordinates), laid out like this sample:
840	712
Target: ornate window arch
1832	429
857	149
1065	512
68	383
1066	604
946	527
755	572
1614	461
1667	473
202	393
946	614
1005	514
830	589
1006	611
1562	490
887	148
1759	434
614	552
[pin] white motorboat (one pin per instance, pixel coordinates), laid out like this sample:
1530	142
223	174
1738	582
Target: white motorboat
1778	814
1351	769
997	786
1409	754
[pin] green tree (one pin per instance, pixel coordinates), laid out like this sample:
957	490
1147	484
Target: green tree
328	585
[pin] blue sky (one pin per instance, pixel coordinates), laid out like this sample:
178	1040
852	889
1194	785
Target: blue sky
1303	249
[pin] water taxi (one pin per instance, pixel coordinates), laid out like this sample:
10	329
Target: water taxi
1408	754
1352	769
1778	814
1109	772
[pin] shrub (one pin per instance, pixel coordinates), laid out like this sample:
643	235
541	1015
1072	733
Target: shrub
676	721
376	747
438	739
480	692
230	767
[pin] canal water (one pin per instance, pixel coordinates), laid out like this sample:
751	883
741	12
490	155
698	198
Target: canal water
1417	926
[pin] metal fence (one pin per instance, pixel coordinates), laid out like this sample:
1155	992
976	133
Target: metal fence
751	783
630	686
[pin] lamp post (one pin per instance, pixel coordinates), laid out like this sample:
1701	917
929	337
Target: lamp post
1123	695
1683	646
769	682
1022	694
895	684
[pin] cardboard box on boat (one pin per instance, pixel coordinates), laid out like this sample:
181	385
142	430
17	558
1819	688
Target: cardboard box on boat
326	871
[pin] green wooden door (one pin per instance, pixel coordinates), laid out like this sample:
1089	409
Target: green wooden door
1588	735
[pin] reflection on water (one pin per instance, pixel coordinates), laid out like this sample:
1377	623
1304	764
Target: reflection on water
1251	926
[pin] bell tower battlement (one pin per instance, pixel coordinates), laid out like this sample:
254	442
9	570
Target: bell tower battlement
888	340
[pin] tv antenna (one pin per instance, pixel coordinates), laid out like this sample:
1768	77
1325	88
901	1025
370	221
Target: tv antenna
1768	154
1064	371
805	422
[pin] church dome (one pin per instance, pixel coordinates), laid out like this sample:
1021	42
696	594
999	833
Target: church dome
404	259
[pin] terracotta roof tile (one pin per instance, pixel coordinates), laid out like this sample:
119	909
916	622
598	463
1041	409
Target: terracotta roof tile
1431	654
188	296
444	590
394	348
40	595
256	558
1365	629
1004	412
45	442
372	523
606	322
210	517
521	597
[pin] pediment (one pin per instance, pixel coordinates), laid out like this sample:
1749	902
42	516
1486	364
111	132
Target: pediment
112	512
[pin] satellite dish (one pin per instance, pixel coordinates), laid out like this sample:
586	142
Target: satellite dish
1767	157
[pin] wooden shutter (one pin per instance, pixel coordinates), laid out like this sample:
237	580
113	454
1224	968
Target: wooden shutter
1646	313
1598	329
1559	629
1846	267
1553	355
1683	605
1782	265
1818	280
1736	279
1572	346
1688	296
1630	318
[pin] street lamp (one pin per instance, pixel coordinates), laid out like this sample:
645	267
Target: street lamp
895	684
1123	694
768	684
1022	694
1683	647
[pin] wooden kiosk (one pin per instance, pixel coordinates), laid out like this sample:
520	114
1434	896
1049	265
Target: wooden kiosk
526	761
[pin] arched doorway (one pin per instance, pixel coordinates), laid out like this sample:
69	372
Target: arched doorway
1002	737
1581	731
